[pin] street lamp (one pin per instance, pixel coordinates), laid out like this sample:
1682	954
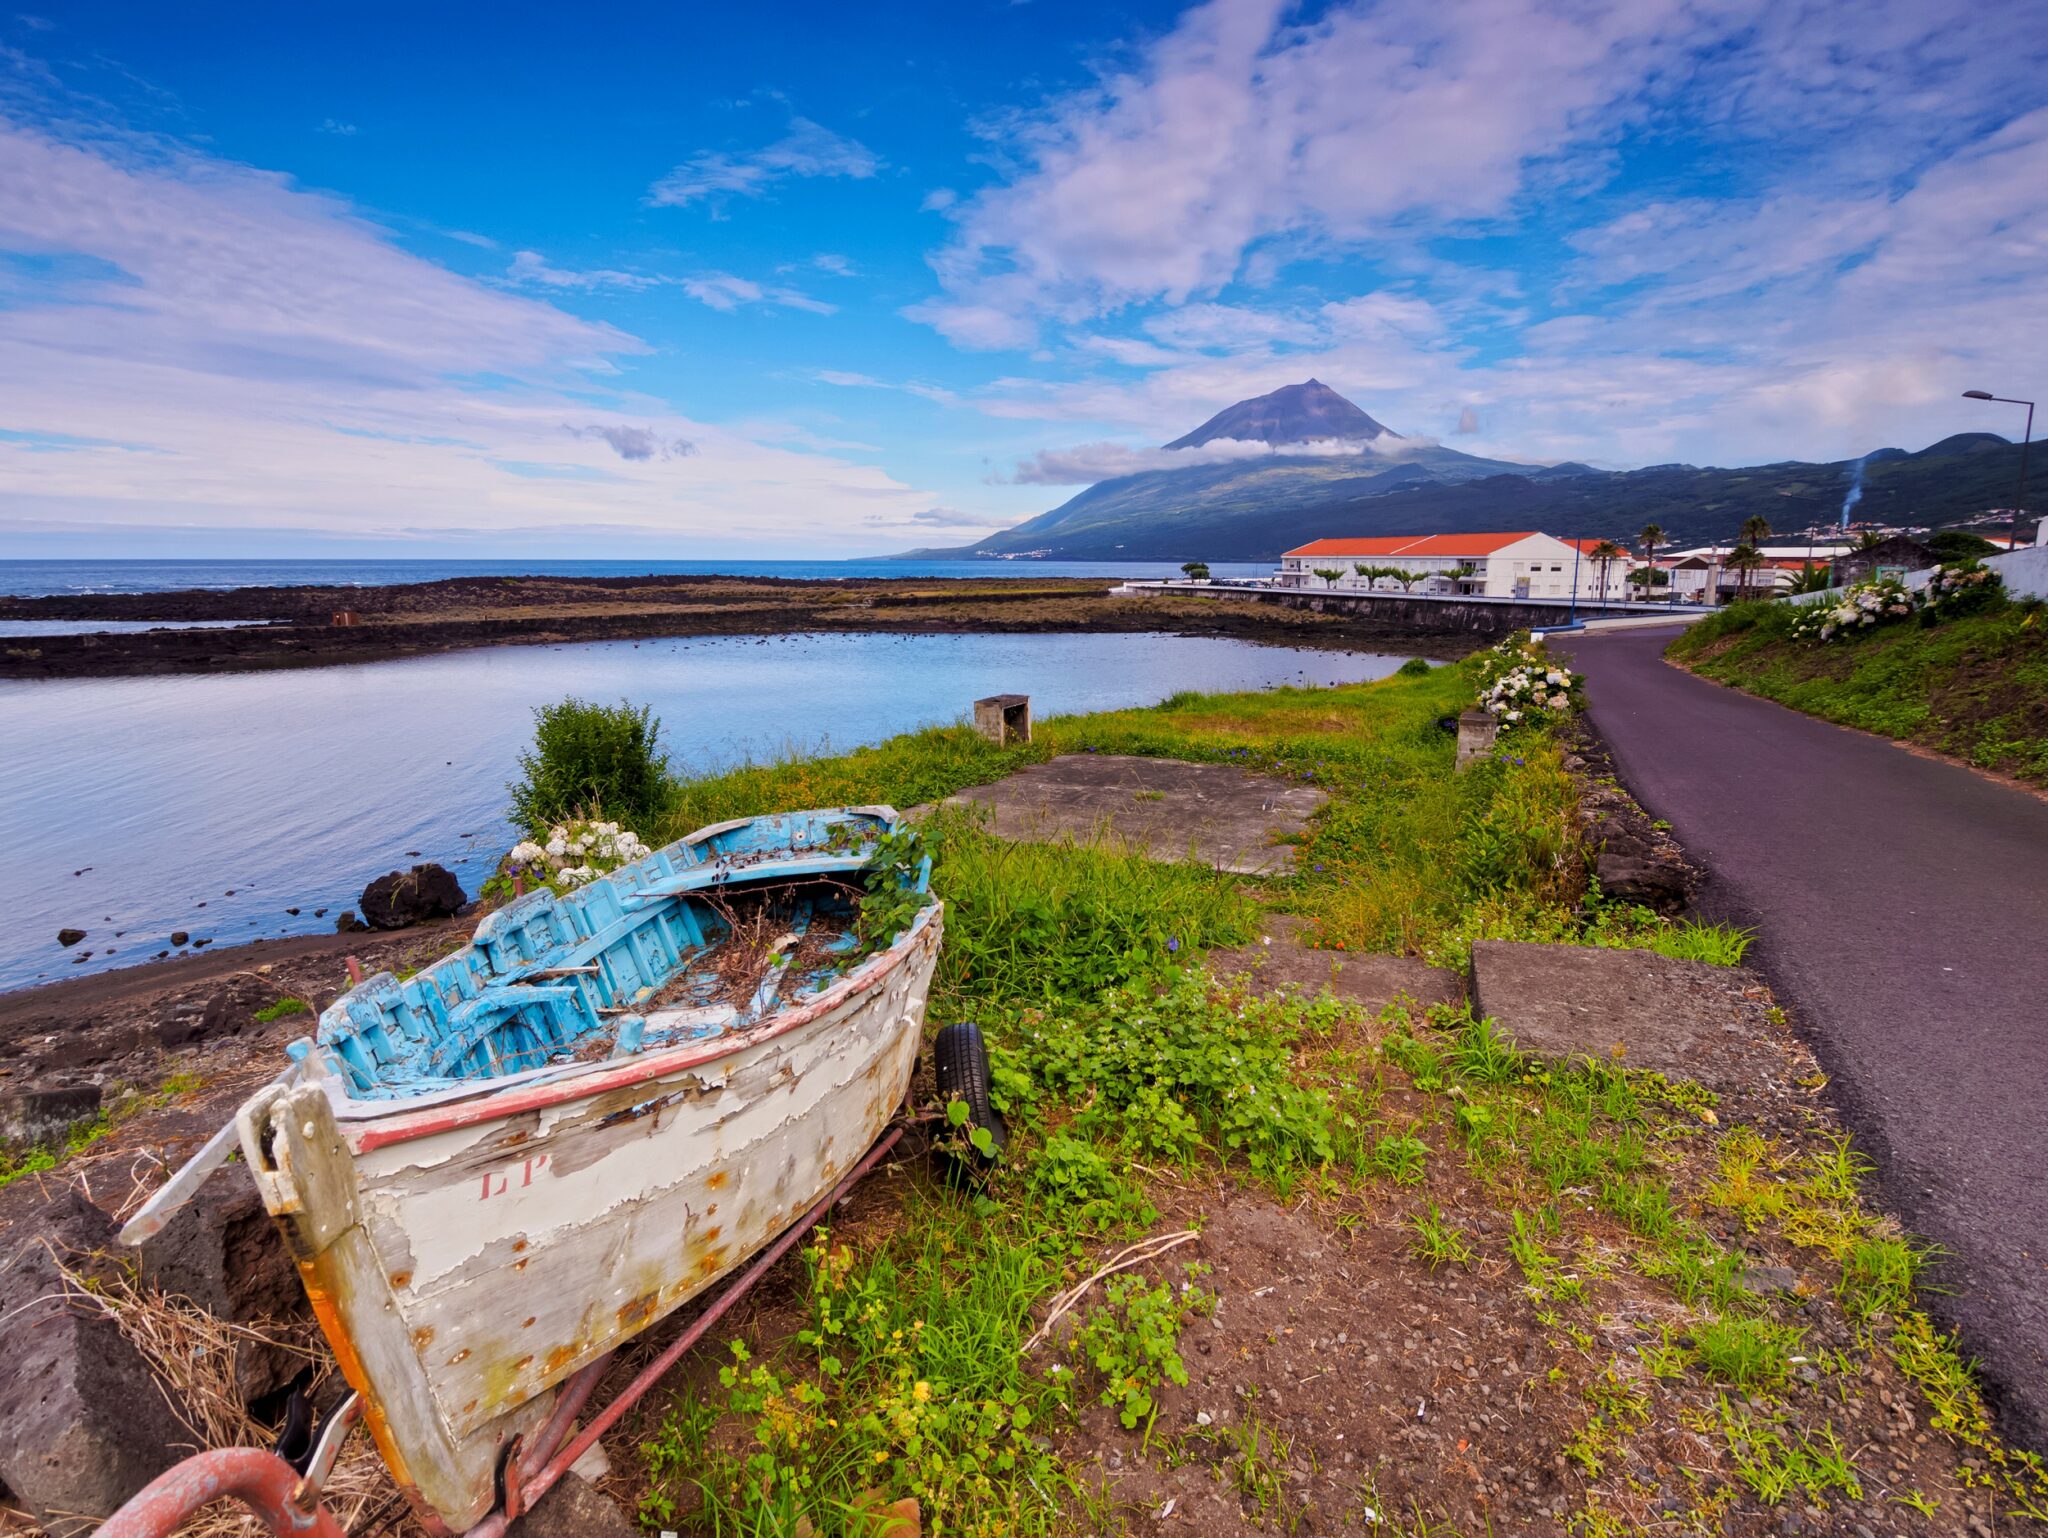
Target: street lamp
2020	504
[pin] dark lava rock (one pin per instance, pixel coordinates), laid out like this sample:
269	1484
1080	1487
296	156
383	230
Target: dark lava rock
1637	876
223	1252
69	937
44	1115
348	924
575	1509
83	1425
230	1010
294	912
425	892
179	936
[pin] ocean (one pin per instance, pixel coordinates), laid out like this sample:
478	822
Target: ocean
37	579
134	807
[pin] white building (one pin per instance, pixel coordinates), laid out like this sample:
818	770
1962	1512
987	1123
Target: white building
1524	565
1702	575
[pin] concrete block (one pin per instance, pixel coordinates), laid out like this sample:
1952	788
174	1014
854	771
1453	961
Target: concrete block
1210	813
1004	718
1636	1008
1477	732
1371	981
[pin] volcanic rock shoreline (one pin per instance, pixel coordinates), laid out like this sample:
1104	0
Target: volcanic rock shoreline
286	627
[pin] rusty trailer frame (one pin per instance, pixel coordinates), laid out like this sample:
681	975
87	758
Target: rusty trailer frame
288	1502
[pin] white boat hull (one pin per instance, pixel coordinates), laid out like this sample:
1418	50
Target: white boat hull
465	1257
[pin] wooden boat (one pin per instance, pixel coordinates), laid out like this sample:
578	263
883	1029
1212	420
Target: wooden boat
495	1171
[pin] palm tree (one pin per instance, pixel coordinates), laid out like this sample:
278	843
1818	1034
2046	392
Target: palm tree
1651	537
1744	559
1604	555
1754	531
1815	579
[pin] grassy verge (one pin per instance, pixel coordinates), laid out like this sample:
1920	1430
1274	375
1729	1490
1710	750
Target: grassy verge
1607	1210
1409	857
1611	1213
1974	687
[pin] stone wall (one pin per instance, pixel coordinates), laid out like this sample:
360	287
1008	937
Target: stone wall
1470	616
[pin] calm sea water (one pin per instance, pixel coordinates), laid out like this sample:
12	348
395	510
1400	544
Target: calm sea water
34	579
134	807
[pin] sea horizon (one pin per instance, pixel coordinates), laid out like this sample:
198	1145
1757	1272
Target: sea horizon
50	577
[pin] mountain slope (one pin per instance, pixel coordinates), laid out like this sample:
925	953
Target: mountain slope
1253	509
1310	412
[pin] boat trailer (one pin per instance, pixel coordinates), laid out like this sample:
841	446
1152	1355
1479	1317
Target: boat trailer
287	1496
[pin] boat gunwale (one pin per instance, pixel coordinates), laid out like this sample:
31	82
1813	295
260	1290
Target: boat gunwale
383	1124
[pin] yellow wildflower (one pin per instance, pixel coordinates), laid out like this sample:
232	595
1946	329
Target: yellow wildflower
922	1393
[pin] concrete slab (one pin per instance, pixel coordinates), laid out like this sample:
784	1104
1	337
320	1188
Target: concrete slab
1374	981
1212	814
1683	1018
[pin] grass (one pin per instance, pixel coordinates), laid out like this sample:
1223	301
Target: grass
1118	1066
1974	687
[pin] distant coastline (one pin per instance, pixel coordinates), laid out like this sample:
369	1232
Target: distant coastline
309	625
40	577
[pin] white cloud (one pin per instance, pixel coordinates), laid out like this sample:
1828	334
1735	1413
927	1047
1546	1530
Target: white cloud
835	264
808	149
1240	126
1086	463
221	350
532	267
723	291
333	126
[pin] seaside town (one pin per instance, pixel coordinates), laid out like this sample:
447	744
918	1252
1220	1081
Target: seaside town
952	772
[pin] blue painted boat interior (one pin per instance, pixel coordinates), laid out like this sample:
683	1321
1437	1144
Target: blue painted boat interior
625	964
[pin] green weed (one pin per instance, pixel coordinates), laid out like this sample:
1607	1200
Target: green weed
1747	1352
1776	1461
1436	1243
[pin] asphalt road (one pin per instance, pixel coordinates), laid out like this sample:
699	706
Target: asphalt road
1902	905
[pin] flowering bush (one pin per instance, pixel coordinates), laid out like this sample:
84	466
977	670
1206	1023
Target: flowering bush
1856	608
1502	658
575	854
1961	587
1529	689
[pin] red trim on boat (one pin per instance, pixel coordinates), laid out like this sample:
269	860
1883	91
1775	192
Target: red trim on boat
408	1126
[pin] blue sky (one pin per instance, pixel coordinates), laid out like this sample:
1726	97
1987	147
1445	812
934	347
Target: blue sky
670	282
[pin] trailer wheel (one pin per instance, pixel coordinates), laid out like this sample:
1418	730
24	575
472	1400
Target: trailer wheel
960	1066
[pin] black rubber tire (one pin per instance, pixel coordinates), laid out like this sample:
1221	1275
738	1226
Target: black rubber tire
960	1068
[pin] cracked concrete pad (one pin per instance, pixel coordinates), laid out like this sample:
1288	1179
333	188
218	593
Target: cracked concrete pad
1212	814
1684	1018
1373	981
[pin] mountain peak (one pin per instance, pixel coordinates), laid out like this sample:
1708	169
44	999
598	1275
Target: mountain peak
1298	413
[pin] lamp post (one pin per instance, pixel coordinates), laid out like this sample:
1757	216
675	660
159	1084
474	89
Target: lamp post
2020	503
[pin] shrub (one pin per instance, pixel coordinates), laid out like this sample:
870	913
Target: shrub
1959	588
588	759
1858	608
1414	667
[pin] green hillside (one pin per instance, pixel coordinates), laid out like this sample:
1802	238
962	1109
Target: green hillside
1254	510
